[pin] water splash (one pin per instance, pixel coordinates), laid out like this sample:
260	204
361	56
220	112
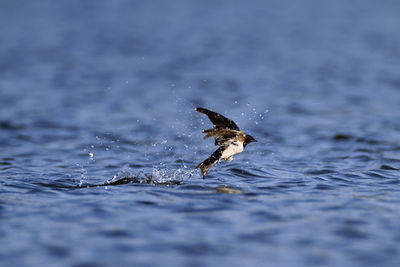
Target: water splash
125	172
173	176
158	176
91	159
83	175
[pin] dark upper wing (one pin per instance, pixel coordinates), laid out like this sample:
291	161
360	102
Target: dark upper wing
218	120
222	136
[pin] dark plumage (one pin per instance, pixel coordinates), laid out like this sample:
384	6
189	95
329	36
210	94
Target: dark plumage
230	139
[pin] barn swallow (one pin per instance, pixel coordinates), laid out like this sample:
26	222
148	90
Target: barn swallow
230	139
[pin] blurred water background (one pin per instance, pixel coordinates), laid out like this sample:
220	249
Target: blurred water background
98	133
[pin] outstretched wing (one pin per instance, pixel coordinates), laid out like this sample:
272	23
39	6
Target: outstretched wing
218	120
206	165
222	136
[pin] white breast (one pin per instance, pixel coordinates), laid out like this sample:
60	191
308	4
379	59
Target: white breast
233	148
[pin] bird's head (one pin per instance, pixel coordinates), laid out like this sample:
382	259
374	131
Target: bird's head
249	139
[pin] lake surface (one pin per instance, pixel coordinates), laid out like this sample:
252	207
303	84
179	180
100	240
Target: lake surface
99	134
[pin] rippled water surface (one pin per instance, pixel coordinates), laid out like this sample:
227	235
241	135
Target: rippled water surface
99	136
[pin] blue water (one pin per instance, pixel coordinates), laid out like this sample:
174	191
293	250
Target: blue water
99	136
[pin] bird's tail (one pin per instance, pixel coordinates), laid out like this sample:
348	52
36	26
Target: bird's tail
206	165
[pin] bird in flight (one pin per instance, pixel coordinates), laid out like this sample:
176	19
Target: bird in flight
230	139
